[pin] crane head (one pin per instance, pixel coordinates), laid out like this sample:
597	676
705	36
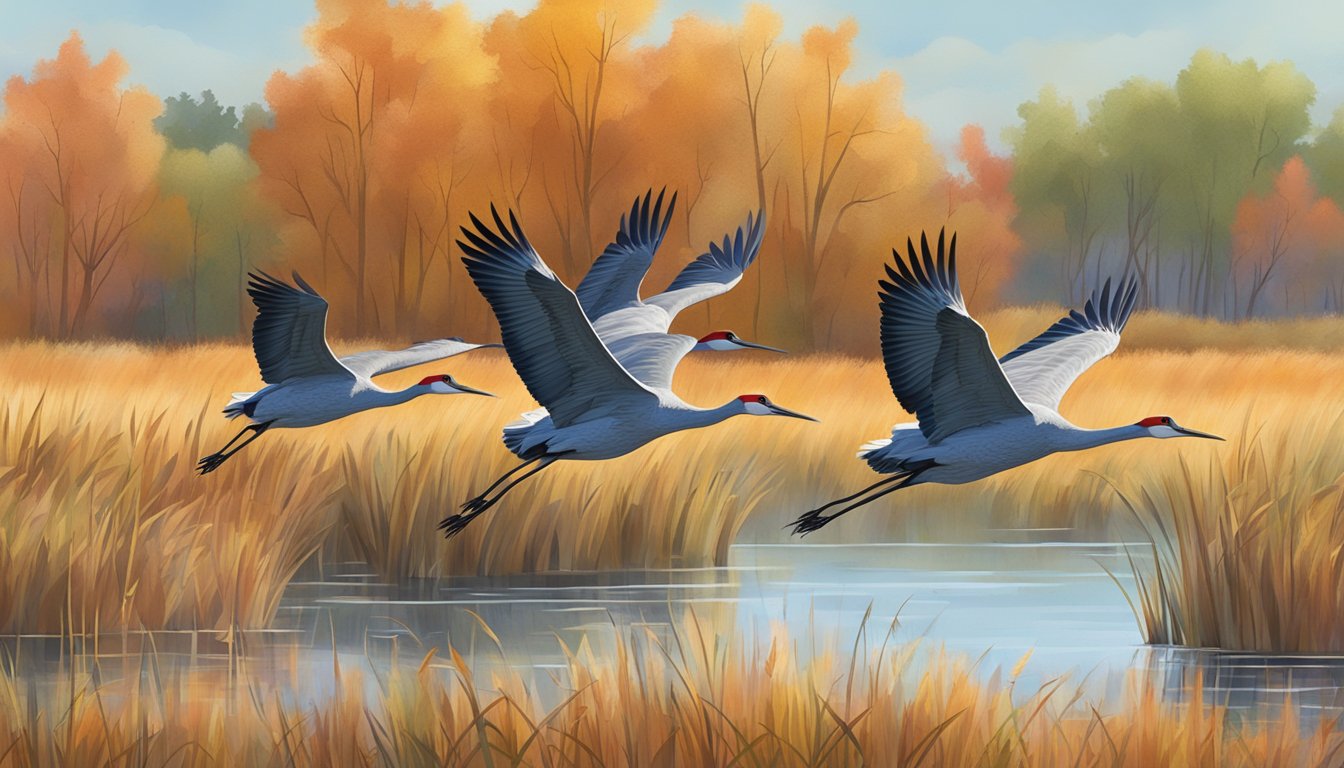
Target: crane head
722	341
1165	426
760	405
443	384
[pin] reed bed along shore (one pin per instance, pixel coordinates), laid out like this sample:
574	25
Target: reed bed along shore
104	525
1246	548
697	698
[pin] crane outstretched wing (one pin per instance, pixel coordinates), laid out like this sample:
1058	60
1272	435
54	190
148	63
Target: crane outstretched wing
289	336
652	358
714	272
1043	369
937	357
376	362
552	346
614	279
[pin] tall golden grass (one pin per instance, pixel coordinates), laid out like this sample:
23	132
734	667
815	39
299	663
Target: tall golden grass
103	523
699	698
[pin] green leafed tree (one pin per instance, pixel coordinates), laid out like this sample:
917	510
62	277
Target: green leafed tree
1325	158
229	230
191	123
1055	183
1239	123
1132	125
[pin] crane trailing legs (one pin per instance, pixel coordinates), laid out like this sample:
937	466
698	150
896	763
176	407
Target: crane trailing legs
977	416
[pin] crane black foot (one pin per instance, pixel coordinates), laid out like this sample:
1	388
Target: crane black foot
454	524
810	521
476	504
210	463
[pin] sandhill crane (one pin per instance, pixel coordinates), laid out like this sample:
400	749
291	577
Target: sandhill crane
307	383
609	293
977	415
594	407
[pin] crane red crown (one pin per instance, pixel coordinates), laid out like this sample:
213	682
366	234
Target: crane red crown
715	336
1155	421
431	379
752	398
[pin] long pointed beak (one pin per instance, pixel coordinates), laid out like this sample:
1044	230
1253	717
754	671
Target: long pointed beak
460	387
794	414
754	345
1197	433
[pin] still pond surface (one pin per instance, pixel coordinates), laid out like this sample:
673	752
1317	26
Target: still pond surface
989	603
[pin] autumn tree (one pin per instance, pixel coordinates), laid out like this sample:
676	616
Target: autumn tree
1282	236
567	69
84	154
756	57
330	161
981	202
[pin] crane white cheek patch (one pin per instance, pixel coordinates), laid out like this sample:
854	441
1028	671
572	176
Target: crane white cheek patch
441	388
1163	431
756	409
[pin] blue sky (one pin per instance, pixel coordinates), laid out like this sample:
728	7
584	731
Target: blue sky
961	61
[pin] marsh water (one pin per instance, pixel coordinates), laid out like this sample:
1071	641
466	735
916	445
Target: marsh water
988	603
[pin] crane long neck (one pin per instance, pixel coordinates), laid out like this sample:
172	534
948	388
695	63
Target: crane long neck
1082	439
379	398
695	418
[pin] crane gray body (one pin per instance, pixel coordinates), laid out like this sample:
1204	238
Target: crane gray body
612	429
314	400
977	453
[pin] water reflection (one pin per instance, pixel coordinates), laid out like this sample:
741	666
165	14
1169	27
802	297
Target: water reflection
1248	683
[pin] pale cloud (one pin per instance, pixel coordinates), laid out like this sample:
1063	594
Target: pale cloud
953	81
167	62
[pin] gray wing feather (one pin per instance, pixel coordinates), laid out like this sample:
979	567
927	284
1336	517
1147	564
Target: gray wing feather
550	342
376	362
716	271
614	279
937	357
652	357
289	335
1043	369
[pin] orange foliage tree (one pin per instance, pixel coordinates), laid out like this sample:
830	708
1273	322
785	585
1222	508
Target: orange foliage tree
1293	237
79	155
364	152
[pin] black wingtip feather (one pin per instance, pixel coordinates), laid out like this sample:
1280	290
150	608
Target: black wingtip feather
1106	309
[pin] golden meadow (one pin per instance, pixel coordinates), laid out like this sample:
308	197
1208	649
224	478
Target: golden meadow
105	526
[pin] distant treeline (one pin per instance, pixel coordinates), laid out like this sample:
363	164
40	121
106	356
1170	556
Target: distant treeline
126	215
